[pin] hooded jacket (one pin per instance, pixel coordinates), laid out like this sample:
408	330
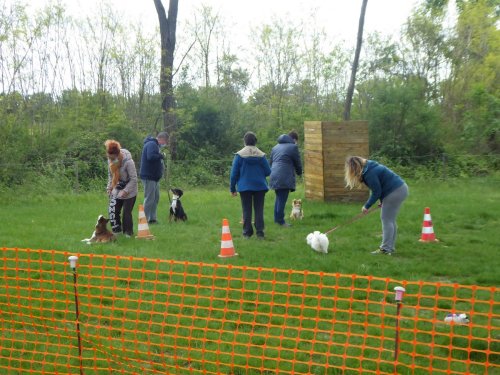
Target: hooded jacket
285	163
249	170
381	181
128	175
151	160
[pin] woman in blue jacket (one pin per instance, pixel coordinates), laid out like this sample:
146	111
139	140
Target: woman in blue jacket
285	163
384	185
248	177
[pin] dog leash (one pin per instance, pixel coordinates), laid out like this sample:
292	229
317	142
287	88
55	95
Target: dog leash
357	217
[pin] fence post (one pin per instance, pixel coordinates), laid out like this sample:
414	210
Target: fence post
72	263
399	298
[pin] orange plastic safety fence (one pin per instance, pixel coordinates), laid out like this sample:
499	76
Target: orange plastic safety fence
151	316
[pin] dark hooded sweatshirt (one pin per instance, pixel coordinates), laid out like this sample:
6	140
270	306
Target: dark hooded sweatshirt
151	160
285	163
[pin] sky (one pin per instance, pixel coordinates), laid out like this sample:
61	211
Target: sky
339	18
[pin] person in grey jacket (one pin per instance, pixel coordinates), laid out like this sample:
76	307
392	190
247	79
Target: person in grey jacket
285	163
121	187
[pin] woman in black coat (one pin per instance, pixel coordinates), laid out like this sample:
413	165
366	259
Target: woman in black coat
285	163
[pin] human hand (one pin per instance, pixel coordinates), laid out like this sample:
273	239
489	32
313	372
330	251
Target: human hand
234	194
364	210
123	194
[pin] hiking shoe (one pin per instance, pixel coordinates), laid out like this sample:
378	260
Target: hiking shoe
381	251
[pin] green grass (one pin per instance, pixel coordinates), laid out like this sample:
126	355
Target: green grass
464	214
149	316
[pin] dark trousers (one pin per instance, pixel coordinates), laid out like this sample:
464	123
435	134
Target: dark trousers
280	204
115	210
255	199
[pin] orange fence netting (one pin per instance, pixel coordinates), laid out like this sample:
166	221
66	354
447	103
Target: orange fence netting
117	315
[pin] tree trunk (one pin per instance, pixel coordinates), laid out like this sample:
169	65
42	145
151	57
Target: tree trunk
350	89
168	27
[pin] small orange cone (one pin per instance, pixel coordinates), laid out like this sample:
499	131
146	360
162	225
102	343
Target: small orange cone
427	230
143	227
226	242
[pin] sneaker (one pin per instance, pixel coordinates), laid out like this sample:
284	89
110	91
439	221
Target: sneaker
381	251
246	237
260	238
152	222
286	225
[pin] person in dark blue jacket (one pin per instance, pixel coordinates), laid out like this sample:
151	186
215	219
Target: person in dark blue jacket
248	177
384	185
152	166
285	163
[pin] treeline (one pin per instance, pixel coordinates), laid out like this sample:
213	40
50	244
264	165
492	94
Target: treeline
68	84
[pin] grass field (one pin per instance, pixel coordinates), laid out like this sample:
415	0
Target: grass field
279	318
465	215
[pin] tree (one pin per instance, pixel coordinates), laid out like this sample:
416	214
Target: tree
350	89
204	32
403	125
278	61
168	27
472	92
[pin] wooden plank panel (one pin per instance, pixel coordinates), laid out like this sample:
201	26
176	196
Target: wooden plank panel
326	146
314	157
315	167
315	147
314	180
312	195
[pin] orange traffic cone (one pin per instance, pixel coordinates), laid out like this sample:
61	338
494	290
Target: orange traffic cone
226	242
143	227
427	230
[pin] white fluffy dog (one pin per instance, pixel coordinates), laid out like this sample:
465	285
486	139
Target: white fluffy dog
456	318
318	241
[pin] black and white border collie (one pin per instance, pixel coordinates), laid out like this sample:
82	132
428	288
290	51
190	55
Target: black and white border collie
176	209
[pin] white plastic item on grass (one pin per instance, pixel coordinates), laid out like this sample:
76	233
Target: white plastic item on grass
318	241
457	318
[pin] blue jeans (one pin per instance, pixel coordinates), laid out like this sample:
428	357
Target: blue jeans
151	198
280	204
255	199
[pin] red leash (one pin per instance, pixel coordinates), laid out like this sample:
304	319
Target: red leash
357	217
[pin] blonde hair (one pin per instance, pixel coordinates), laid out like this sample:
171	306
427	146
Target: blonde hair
353	171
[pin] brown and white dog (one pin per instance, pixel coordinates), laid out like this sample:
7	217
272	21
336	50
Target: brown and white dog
101	232
297	212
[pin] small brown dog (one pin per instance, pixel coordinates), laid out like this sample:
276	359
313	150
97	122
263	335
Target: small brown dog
297	212
101	233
